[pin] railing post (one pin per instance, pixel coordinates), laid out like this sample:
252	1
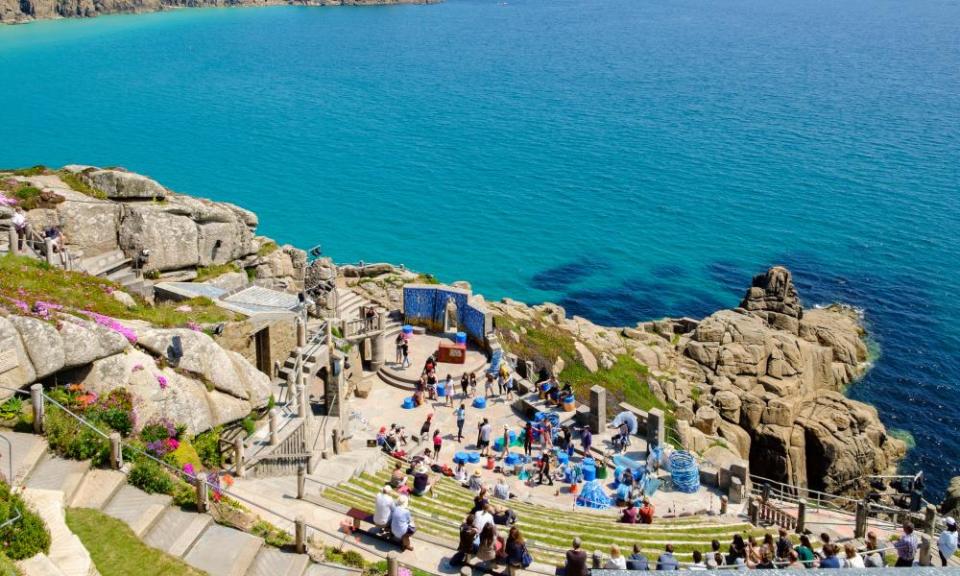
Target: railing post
724	503
14	240
36	396
203	496
48	247
301	482
393	563
336	441
302	397
860	521
300	526
930	520
116	451
238	456
754	510
801	515
301	332
274	426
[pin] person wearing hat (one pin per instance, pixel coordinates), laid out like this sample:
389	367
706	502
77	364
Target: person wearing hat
421	480
947	543
476	481
383	508
401	523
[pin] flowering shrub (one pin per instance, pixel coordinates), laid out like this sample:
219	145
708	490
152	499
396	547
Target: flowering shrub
112	324
7	201
162	381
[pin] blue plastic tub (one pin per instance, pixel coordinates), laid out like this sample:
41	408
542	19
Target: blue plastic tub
461	338
480	402
408	403
589	473
473	457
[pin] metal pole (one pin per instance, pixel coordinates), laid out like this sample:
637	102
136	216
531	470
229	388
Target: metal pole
36	396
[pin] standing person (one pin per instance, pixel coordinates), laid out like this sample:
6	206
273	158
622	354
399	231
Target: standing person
528	439
437	444
906	546
405	351
510	385
461	414
464	384
947	543
586	440
20	225
484	443
488	385
448	390
473	384
545	469
398	343
401	523
425	428
546	436
576	564
516	549
506	441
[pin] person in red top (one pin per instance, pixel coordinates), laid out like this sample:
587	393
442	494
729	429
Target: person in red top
437	444
646	512
629	514
528	439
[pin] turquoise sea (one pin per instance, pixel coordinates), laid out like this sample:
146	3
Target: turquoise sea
628	159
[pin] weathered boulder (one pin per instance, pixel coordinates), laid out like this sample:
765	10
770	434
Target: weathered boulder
951	503
18	369
728	405
123	185
585	356
172	240
124	298
43	344
706	420
225	371
774	298
85	341
90	224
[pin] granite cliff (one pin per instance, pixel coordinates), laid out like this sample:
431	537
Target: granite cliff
16	11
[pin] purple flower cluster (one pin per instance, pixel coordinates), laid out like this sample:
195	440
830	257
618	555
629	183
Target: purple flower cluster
162	381
7	201
42	309
112	324
193	326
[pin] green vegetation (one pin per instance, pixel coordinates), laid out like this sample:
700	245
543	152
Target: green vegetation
71	439
116	550
267	248
7	567
25	537
427	279
79	185
272	535
207	272
12	408
31	171
207	445
31	281
28	196
150	477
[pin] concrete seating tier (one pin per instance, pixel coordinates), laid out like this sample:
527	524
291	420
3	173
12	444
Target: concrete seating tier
550	530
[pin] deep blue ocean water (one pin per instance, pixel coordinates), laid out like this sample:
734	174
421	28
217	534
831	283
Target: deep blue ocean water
628	159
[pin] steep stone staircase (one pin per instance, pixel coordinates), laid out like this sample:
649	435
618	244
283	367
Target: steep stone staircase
115	266
52	484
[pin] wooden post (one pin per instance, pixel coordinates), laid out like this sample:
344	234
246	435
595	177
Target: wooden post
724	503
302	397
336	441
930	520
393	563
274	426
36	396
300	525
14	240
48	246
754	509
116	451
301	482
301	332
860	521
203	496
801	515
238	456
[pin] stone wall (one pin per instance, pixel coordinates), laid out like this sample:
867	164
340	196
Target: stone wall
240	337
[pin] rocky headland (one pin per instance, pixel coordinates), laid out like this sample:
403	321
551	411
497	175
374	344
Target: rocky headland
762	382
20	11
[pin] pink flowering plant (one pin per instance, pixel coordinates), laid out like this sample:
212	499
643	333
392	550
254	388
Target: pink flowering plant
112	324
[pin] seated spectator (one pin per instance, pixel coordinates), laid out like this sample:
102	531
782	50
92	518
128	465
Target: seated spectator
504	516
476	481
383	507
784	546
805	552
501	490
468	536
576	563
698	563
637	560
480	501
629	514
830	559
616	561
483	517
715	556
646	512
666	561
401	523
852	559
398	480
421	481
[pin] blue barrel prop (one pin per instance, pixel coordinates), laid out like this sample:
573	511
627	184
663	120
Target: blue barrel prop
589	473
461	338
594	496
473	457
441	390
562	457
571	399
498	444
589	462
461	458
408	403
480	402
684	472
407	330
512	459
623	492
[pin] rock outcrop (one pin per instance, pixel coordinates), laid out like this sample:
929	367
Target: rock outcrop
764	380
12	11
951	504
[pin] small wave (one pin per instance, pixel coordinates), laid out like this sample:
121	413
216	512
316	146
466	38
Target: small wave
905	436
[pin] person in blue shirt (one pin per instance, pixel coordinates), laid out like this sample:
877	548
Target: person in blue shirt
637	560
830	559
401	523
666	561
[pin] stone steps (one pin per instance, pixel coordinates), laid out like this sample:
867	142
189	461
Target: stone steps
222	551
27	450
136	508
66	550
54	473
175	530
39	565
275	562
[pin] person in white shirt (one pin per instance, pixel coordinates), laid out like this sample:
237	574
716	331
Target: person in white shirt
383	508
947	543
483	517
19	221
852	559
616	561
502	489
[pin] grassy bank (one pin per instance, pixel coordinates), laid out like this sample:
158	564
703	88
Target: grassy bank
115	549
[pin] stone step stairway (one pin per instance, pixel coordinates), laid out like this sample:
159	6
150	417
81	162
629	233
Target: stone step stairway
116	267
51	484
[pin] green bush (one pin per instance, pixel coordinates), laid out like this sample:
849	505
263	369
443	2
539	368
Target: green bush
184	454
249	426
272	535
74	440
207	445
25	537
7	567
11	408
184	495
150	477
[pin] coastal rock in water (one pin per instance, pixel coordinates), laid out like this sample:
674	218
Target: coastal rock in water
123	185
774	298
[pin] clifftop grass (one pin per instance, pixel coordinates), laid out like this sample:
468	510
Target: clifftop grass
29	280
